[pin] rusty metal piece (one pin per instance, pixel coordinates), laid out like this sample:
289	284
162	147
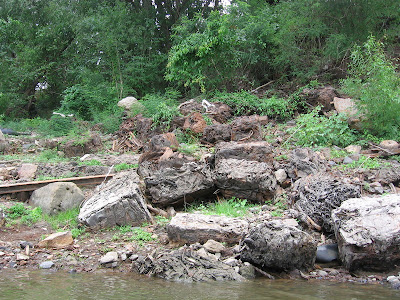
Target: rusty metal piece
34	185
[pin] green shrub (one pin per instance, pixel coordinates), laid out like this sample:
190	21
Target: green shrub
17	211
245	103
373	80
314	130
232	207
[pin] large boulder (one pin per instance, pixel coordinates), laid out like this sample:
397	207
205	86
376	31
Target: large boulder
245	170
56	197
244	179
131	103
193	228
119	202
317	195
278	247
304	162
175	186
195	123
368	233
247	128
217	133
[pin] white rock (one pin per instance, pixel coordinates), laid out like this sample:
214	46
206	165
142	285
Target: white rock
110	257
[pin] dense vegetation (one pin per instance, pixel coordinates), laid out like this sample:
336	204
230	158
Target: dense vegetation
83	56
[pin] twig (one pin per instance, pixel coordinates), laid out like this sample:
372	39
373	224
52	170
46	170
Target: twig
261	86
269	276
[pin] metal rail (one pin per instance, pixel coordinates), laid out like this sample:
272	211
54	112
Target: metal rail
34	185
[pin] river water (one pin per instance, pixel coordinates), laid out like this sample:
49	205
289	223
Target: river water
45	285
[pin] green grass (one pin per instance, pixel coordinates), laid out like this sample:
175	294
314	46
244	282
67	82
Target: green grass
233	207
92	162
125	166
140	236
365	163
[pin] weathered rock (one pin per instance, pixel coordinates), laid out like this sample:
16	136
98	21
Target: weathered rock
220	112
247	271
376	187
275	246
56	197
162	141
255	151
389	145
110	257
320	96
348	107
195	122
247	128
327	253
2	218
317	195
193	228
185	265
57	240
188	107
174	186
72	149
46	264
119	202
347	160
130	103
353	149
245	179
304	162
27	171
3	142
217	133
213	246
388	174
21	256
280	175
368	233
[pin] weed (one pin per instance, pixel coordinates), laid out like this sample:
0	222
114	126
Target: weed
50	155
335	153
92	162
314	130
125	166
365	163
232	207
282	157
33	216
162	221
140	236
17	211
124	229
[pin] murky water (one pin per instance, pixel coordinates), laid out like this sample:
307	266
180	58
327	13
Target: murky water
59	285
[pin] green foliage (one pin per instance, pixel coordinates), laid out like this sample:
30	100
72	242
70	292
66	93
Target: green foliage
50	155
92	162
162	221
17	211
139	235
245	103
364	162
314	130
65	220
124	166
374	81
232	207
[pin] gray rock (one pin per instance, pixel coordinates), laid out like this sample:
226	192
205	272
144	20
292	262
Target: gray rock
280	175
130	103
192	228
2	218
252	151
367	231
46	264
173	186
24	244
214	246
119	202
327	253
304	162
322	273
275	246
110	257
347	160
376	187
317	195
57	197
245	179
247	271
217	133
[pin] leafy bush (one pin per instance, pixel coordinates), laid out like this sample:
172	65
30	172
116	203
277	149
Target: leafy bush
374	81
315	130
245	103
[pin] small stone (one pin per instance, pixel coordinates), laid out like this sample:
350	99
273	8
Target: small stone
214	246
134	257
110	257
247	271
57	240
204	254
280	175
376	187
123	256
322	273
347	160
46	264
389	145
21	256
231	261
23	244
331	163
2	253
353	149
